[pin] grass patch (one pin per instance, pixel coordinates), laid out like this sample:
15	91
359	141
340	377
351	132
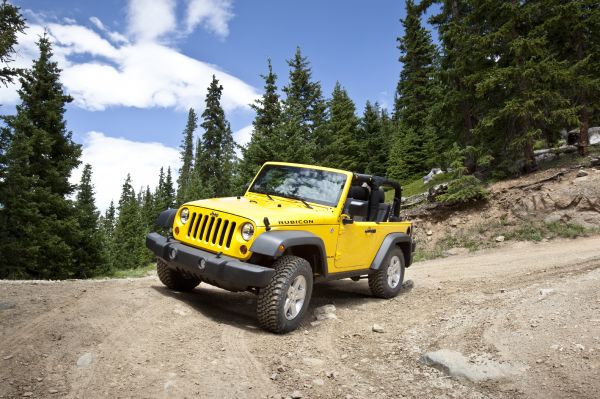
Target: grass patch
417	186
130	273
539	231
571	159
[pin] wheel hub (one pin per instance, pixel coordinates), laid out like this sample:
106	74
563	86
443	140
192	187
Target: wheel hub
393	272
294	300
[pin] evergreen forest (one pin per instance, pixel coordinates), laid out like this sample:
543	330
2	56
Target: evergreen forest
501	79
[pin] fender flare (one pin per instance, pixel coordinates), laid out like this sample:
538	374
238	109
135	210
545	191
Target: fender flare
401	239
166	218
268	243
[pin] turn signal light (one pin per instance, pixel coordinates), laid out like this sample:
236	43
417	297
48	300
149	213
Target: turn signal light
243	249
281	248
177	230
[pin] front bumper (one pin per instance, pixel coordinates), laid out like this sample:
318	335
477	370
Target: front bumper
220	270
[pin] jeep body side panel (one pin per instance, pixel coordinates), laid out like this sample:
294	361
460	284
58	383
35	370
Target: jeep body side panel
268	243
403	240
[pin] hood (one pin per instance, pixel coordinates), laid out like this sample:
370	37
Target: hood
280	211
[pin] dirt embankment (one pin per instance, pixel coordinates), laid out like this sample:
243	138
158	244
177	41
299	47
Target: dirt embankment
527	315
519	208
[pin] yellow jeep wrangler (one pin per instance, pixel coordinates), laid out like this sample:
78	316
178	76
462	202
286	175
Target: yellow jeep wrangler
296	225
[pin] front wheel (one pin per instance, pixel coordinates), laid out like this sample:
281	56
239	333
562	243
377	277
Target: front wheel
282	304
173	279
386	282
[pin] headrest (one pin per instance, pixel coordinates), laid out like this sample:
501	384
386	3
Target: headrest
359	193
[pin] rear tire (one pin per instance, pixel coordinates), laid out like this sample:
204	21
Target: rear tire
173	279
282	304
386	282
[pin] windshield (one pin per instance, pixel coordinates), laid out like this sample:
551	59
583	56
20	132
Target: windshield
311	185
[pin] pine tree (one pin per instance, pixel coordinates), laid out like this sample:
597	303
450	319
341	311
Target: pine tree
128	236
414	97
107	224
573	31
376	131
37	218
147	209
265	143
217	152
304	113
521	91
187	158
89	257
11	24
198	189
342	148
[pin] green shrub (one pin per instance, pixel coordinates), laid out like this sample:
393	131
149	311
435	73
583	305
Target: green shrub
464	189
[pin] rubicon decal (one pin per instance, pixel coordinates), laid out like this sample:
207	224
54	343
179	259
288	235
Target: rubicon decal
305	221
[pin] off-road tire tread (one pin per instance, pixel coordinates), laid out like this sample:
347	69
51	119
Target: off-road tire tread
267	308
378	280
173	280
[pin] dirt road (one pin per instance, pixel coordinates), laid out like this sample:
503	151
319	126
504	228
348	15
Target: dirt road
534	309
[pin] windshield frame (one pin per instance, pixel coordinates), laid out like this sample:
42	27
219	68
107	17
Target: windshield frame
346	175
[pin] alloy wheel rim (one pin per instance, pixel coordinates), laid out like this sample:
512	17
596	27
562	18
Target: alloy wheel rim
393	272
295	298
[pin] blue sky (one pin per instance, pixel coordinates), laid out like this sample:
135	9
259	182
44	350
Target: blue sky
134	67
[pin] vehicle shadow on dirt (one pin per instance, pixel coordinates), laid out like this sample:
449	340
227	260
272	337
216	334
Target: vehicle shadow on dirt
238	309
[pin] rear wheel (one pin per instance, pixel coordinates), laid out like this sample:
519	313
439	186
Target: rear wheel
282	304
386	282
173	279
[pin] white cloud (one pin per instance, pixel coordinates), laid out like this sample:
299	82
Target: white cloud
112	158
151	19
242	136
142	72
214	15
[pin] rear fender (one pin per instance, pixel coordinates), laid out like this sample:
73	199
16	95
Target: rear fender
402	240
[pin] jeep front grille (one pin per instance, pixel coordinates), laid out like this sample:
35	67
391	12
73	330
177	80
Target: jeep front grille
209	230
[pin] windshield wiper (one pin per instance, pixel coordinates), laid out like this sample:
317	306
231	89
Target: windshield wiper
292	196
265	193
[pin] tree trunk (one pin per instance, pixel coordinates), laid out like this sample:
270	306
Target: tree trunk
530	163
583	131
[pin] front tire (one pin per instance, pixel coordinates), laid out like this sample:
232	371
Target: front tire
282	304
173	279
386	282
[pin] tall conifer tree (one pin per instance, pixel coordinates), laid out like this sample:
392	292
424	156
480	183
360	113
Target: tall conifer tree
129	249
89	256
414	97
217	152
342	149
184	180
266	143
304	112
37	218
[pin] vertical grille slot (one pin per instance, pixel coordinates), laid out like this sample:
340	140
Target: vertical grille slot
191	226
230	236
200	236
198	221
209	229
216	230
223	231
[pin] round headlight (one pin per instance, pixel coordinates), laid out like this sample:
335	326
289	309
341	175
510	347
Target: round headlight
184	215
247	231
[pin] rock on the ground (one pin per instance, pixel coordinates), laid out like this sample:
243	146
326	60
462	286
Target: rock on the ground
296	395
455	364
429	233
545	291
582	173
378	328
408	285
325	312
312	362
500	239
85	360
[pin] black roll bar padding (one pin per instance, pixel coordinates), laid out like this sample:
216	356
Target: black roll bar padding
377	181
